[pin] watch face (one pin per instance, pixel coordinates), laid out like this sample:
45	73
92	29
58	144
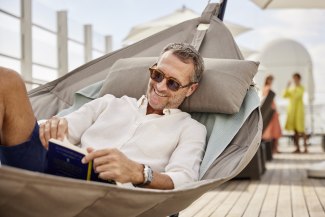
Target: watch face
148	174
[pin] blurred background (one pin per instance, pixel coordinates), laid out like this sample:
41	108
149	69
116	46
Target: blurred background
45	39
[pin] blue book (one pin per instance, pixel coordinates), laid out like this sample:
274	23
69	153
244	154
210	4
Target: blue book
64	159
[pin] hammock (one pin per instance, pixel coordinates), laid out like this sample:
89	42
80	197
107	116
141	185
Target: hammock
233	139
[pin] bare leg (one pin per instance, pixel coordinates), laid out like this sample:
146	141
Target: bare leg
17	119
296	142
305	141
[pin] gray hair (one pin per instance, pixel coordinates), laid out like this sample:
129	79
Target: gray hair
187	52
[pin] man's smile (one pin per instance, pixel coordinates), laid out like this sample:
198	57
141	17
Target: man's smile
156	92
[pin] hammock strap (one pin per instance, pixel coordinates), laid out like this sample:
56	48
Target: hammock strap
202	28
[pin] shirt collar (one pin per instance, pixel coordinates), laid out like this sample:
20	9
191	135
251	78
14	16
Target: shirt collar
143	103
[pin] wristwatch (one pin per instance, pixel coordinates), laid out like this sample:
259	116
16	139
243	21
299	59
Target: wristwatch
147	175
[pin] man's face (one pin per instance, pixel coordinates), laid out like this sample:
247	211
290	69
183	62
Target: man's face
159	96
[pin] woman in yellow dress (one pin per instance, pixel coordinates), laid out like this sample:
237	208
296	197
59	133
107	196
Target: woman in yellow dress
295	112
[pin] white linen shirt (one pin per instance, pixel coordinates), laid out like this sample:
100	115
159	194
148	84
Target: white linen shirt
172	143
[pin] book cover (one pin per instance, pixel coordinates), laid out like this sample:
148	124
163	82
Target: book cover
64	159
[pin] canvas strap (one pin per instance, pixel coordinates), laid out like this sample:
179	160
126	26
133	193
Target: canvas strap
203	27
210	10
198	38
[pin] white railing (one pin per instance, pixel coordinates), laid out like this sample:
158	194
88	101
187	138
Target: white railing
43	44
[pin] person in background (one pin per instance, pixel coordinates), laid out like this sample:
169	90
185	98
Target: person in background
273	130
295	111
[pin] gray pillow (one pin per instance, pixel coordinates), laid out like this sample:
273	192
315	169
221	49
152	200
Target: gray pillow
222	89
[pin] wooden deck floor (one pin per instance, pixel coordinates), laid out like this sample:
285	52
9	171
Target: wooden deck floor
283	191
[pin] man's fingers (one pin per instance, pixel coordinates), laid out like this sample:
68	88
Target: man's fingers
62	128
96	154
54	127
107	175
42	137
105	167
90	149
106	159
47	131
112	174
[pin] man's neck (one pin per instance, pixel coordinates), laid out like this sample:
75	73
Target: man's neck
150	110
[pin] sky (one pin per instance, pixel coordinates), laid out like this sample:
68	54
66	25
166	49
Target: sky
116	18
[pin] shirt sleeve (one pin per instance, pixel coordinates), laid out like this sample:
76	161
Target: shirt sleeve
80	120
184	164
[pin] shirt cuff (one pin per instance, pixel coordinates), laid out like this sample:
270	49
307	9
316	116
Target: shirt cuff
179	178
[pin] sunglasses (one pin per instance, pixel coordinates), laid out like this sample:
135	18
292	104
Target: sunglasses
171	83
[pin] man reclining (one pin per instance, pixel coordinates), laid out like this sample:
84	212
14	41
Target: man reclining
148	142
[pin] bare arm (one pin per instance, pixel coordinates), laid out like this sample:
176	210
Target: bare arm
111	164
286	92
161	181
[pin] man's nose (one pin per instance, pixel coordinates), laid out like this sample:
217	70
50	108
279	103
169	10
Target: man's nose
162	86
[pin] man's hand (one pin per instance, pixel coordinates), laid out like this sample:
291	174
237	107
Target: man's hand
54	127
111	164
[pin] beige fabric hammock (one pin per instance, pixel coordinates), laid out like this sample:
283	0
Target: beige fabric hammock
25	193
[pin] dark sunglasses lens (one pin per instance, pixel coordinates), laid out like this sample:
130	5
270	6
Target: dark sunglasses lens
173	85
157	76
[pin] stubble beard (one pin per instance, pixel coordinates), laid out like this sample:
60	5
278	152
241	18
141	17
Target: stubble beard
173	101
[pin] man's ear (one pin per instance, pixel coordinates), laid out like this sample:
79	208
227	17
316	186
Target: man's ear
192	89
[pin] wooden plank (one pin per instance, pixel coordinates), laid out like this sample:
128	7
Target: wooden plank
217	201
284	200
241	204
284	191
299	206
319	190
199	204
227	204
314	206
271	198
255	205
